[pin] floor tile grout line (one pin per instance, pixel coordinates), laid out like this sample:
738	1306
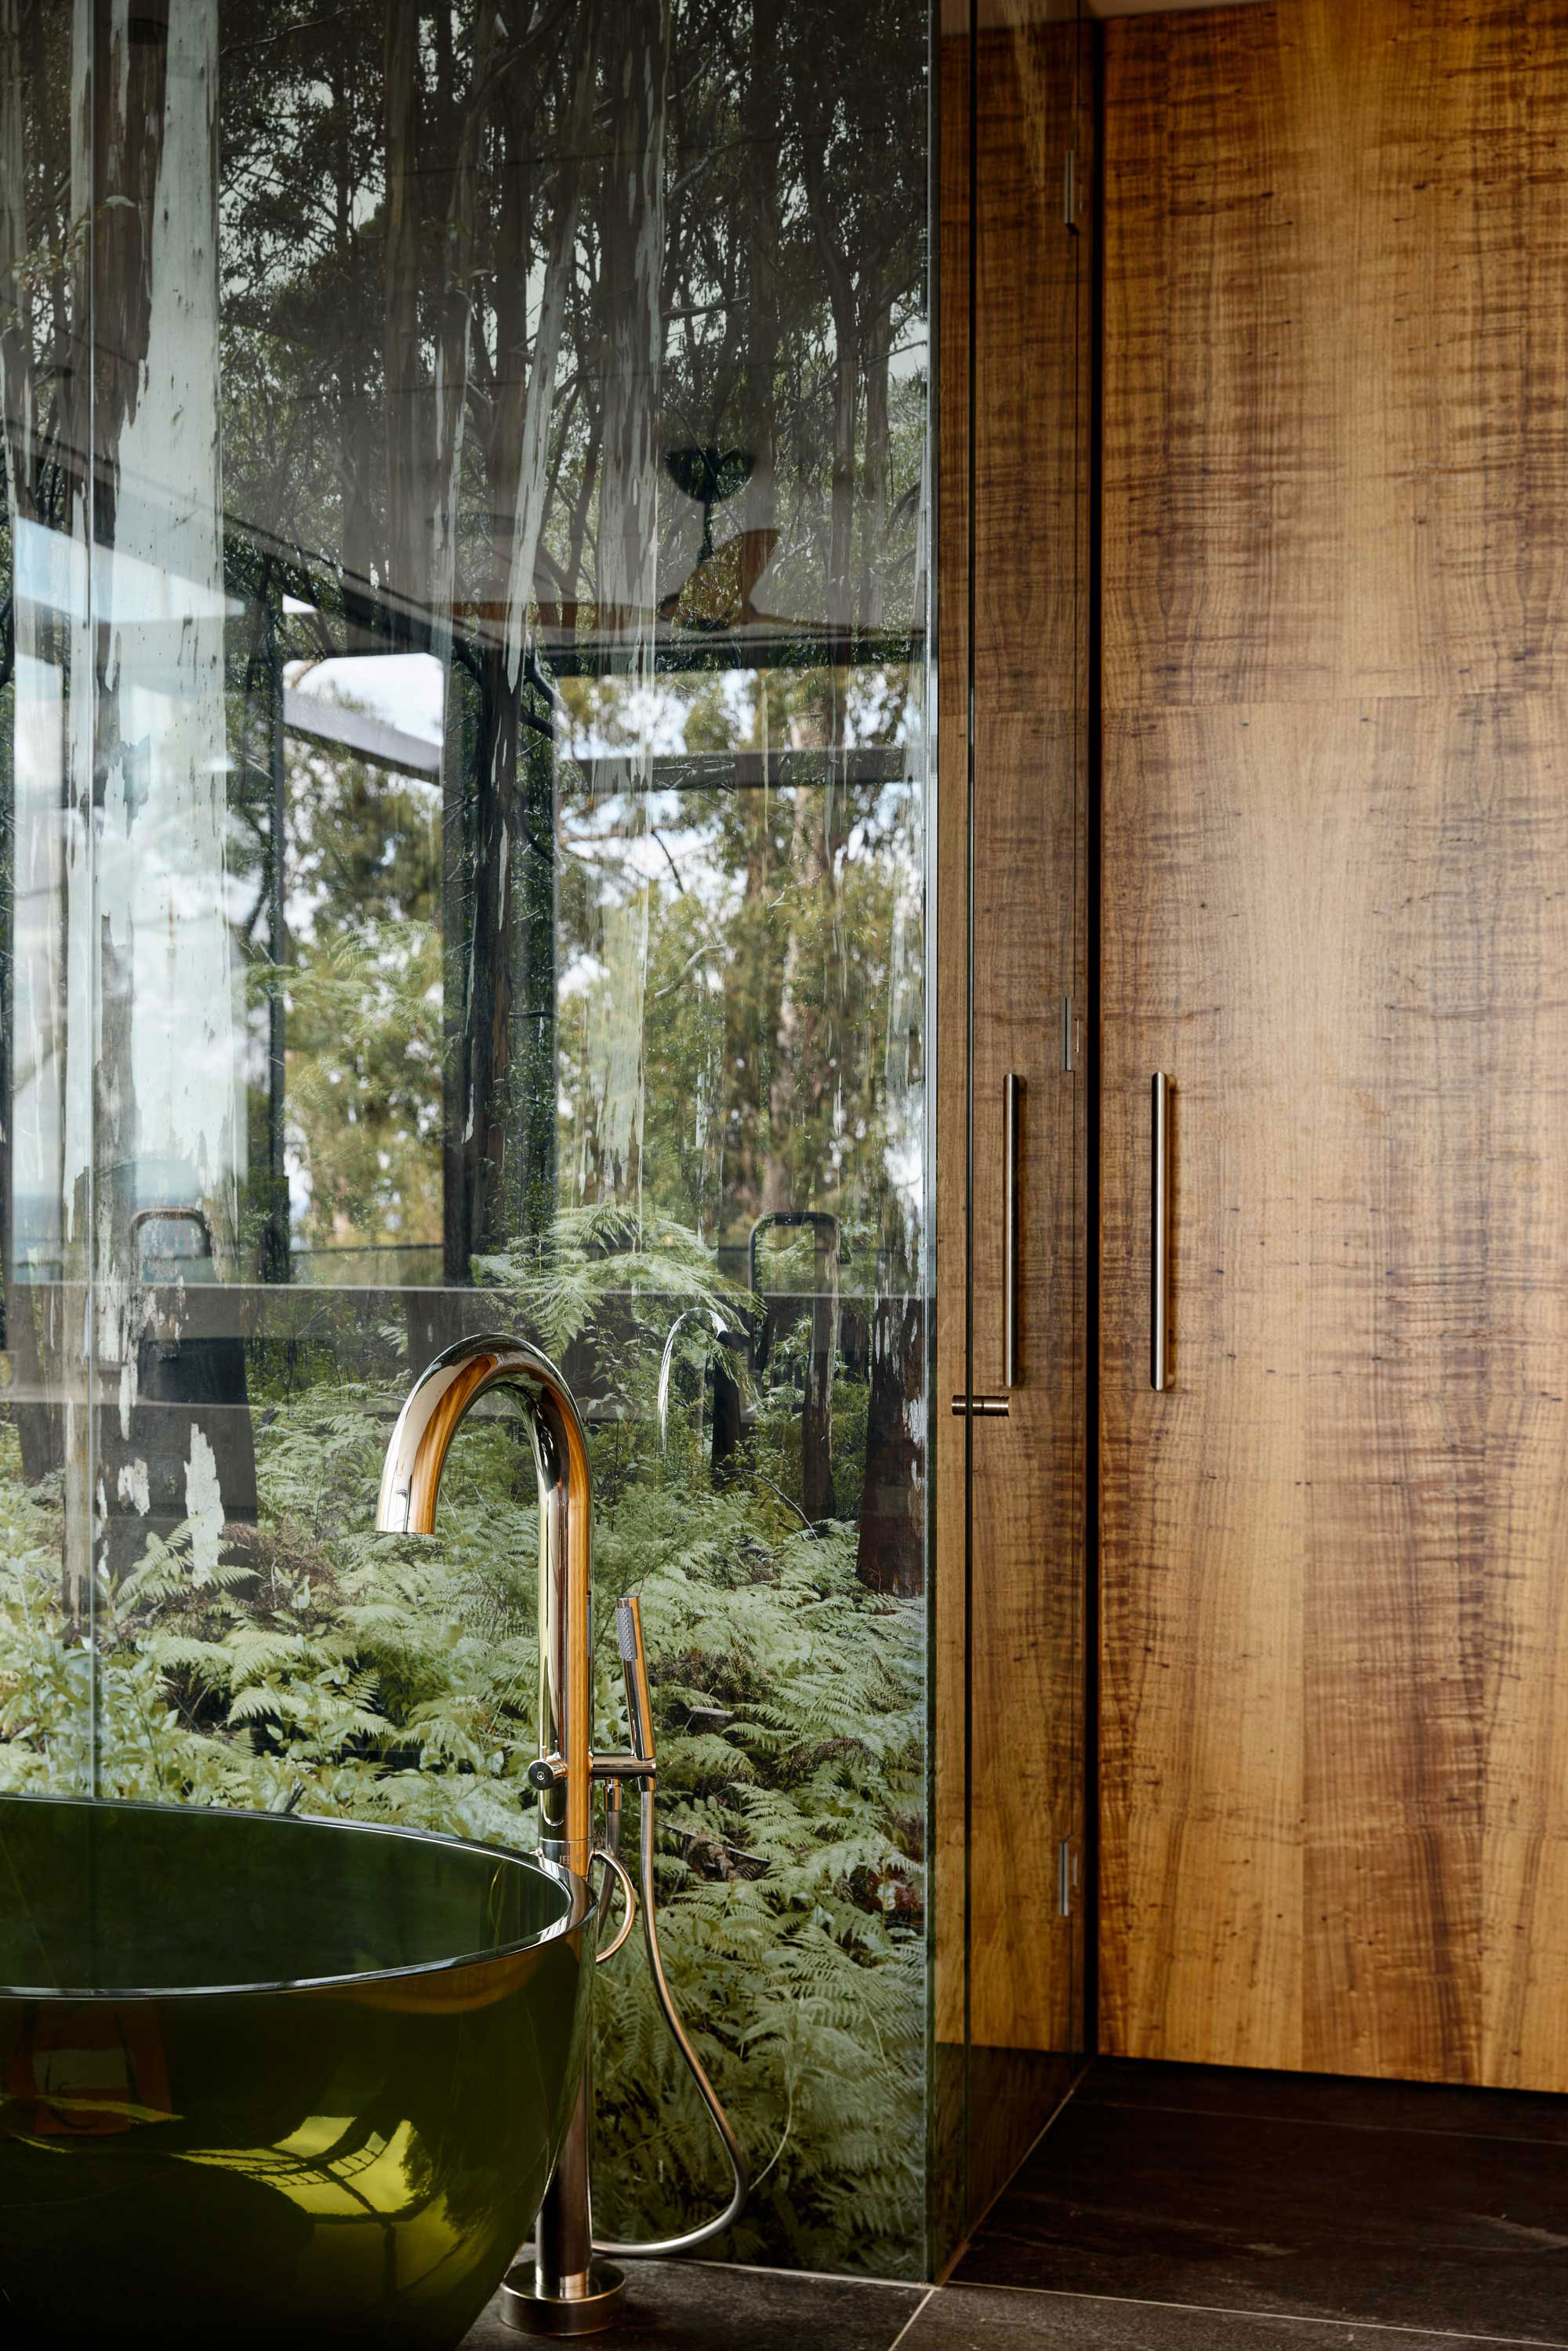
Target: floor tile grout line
812	2277
1278	2317
1325	2122
925	2297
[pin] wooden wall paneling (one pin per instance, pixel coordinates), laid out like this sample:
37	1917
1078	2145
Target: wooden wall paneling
1335	1644
1084	144
949	1659
1025	1662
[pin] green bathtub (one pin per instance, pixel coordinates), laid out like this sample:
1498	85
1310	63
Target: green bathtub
272	2081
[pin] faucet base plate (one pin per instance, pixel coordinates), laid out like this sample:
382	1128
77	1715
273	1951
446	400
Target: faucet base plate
528	2312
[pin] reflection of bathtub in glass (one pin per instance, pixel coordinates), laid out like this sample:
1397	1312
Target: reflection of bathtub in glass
270	2080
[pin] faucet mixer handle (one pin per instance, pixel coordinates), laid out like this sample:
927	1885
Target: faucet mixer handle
634	1665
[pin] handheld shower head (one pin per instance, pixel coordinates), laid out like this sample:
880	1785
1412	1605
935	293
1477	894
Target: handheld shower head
634	1667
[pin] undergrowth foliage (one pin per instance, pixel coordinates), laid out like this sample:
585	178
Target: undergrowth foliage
321	1666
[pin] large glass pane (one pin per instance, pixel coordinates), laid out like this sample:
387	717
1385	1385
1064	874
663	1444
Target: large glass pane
46	1000
507	777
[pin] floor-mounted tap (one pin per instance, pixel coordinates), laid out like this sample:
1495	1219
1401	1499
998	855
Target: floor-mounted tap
564	2290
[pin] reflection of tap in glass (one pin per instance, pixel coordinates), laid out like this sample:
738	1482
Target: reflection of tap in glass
667	1360
172	1241
189	1454
726	1412
817	1403
568	2292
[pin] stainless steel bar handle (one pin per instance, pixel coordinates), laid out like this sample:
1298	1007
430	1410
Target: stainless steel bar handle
1159	1224
1011	1104
995	1407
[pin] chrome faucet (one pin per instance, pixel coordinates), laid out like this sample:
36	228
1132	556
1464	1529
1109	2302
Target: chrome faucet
564	2290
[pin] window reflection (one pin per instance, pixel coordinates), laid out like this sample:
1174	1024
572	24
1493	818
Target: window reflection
465	716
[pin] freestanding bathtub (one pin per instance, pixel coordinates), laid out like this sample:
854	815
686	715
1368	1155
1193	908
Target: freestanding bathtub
270	2080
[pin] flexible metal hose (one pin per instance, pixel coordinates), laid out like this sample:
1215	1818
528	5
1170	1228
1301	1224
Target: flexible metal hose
690	2239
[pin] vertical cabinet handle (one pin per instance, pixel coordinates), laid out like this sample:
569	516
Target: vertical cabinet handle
995	1407
1159	1223
1011	1104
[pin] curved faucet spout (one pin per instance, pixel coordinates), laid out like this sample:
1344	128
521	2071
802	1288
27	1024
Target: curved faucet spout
567	2290
433	1411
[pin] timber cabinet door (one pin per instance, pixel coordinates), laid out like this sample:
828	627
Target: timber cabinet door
1009	1665
1334	1542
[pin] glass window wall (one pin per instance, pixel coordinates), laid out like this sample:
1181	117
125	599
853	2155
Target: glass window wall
464	768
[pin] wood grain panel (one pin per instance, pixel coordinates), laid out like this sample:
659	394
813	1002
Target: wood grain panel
1221	572
1024	1599
951	1666
1026	1662
1335	1649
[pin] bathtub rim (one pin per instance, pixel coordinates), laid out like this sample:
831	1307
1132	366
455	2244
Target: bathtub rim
580	1905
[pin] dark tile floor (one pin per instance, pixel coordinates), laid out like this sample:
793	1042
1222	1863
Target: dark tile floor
709	2306
1387	2204
1176	2207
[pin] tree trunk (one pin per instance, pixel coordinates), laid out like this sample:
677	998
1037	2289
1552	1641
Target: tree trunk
407	393
18	409
878	497
500	1176
843	304
32	1045
632	258
169	1113
632	342
762	111
891	1552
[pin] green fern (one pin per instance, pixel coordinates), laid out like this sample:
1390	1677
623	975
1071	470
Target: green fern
395	1681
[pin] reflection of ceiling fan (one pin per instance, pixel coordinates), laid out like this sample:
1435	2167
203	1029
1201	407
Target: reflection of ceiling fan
717	593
